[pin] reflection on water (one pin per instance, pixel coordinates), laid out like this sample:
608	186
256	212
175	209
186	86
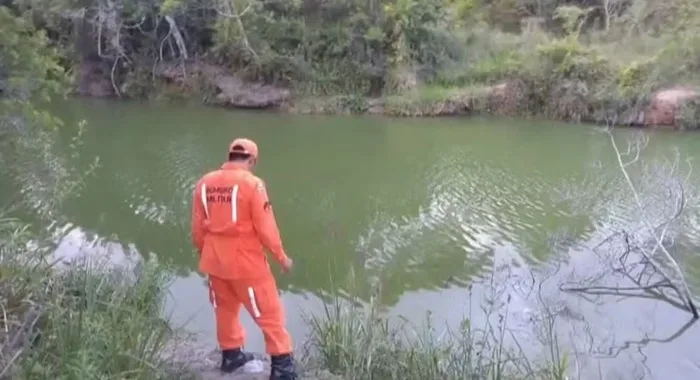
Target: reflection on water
621	332
423	209
75	244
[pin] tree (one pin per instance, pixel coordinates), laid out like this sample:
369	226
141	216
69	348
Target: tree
30	77
29	71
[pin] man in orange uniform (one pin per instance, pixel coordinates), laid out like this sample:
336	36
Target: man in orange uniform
232	221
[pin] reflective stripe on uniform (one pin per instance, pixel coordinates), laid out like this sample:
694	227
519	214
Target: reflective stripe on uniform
204	200
234	204
253	302
212	295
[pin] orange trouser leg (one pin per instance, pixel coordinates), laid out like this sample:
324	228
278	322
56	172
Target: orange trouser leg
227	307
262	301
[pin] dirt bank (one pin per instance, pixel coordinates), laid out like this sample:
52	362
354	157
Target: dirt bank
674	107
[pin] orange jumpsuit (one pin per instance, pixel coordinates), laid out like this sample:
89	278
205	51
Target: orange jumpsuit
232	220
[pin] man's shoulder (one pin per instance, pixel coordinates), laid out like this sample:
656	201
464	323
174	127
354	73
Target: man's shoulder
255	179
248	177
257	183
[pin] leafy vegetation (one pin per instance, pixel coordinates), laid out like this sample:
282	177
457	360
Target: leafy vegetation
572	60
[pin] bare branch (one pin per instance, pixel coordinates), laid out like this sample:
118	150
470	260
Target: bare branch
659	246
175	32
230	14
228	9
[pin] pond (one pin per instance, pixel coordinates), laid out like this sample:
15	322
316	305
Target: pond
419	208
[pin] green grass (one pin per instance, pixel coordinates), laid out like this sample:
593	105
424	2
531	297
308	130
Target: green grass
83	321
356	341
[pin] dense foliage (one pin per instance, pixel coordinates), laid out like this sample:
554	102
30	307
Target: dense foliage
30	76
373	47
564	59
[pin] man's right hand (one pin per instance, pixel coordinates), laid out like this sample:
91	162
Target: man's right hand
287	265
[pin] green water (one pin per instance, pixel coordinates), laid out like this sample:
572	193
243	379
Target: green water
421	208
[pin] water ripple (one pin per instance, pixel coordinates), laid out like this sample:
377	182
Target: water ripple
473	207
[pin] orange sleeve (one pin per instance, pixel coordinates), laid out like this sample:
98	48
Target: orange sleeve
265	224
198	218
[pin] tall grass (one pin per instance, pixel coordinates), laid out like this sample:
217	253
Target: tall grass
81	321
357	342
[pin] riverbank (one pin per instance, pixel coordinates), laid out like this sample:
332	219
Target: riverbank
104	333
655	105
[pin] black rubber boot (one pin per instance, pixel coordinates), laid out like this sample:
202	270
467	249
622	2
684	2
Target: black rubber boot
283	368
232	360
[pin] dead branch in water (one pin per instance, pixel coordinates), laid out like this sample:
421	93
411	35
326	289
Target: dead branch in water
638	252
680	286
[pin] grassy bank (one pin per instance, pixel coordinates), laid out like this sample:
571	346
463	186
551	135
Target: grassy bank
535	74
91	322
77	322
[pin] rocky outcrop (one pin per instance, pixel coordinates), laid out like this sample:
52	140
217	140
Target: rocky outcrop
237	93
93	80
665	108
229	90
